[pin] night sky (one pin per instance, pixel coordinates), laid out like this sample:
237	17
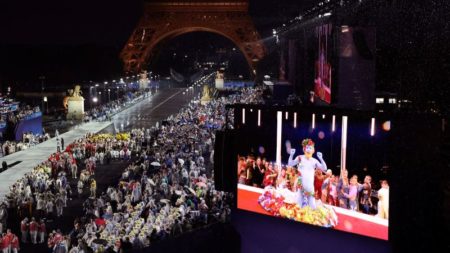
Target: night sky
76	41
101	22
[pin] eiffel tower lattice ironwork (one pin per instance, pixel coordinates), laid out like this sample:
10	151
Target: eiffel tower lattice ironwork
166	19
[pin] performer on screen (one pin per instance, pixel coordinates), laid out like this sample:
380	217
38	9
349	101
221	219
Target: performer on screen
306	166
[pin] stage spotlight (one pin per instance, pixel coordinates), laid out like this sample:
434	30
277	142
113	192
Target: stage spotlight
372	127
387	125
259	117
344	142
295	120
279	131
333	123
313	123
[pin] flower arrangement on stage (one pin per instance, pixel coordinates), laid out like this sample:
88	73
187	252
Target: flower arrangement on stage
123	136
276	204
100	137
271	201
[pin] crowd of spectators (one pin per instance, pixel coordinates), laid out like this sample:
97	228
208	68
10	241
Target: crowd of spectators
105	111
166	189
28	140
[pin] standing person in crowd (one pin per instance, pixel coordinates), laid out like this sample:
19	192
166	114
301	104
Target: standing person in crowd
93	187
80	186
62	143
249	171
49	207
74	169
282	180
365	199
383	200
24	229
242	177
270	176
34	227
3	244
8	240
15	244
42	230
325	188
352	194
342	189
319	177
258	173
306	166
332	192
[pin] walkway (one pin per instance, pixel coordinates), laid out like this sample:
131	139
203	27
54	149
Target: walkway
145	113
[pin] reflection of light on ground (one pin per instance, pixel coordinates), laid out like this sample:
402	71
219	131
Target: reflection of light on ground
348	225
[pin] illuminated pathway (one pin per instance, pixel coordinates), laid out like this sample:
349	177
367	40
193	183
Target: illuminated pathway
143	114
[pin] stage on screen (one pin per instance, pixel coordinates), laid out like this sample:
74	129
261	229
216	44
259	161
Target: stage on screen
325	169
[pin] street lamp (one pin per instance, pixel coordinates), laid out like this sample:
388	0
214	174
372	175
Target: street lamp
42	78
46	101
90	96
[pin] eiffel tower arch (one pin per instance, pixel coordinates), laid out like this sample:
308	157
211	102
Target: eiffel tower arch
167	19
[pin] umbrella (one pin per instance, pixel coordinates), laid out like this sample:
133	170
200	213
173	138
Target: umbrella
100	242
151	182
100	222
191	190
155	164
166	201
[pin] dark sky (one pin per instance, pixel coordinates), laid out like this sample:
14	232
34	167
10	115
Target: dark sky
78	40
73	41
72	22
68	22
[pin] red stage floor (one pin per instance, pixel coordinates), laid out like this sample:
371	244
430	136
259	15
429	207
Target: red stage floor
349	221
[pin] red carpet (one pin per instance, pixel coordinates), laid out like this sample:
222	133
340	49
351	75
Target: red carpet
348	221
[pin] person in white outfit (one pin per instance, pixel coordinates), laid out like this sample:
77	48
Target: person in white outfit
383	200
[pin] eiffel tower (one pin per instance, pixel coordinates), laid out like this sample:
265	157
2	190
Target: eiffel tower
166	19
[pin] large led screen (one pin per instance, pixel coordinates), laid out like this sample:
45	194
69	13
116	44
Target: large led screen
322	80
322	169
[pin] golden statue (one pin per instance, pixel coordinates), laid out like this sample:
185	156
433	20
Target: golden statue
219	75
74	103
206	94
77	92
74	94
